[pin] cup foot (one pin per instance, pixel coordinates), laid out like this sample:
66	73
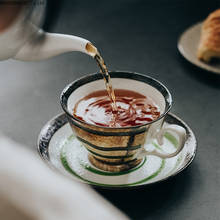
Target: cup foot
112	167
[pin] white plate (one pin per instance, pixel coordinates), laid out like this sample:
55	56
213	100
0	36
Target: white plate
61	150
188	44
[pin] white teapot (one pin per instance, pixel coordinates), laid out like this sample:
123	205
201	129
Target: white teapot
23	40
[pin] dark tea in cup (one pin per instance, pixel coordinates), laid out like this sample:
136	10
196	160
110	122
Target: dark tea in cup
133	109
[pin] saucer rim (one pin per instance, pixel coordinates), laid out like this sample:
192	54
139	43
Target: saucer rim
46	158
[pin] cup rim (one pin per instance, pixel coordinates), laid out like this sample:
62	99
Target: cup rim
69	89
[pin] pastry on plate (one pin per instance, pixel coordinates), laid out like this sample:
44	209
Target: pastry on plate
209	45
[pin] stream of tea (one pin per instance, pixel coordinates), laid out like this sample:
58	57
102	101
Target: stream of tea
103	69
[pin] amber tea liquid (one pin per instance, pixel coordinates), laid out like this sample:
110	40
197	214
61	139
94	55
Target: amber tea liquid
133	109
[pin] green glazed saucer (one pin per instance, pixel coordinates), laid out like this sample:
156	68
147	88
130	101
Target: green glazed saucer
60	149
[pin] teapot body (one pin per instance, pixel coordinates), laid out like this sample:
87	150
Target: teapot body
23	29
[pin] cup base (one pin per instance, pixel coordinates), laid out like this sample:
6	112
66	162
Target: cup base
111	167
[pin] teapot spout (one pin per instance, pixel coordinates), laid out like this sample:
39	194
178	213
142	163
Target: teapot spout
51	45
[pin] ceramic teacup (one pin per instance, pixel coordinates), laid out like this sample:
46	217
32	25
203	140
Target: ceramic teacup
118	149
